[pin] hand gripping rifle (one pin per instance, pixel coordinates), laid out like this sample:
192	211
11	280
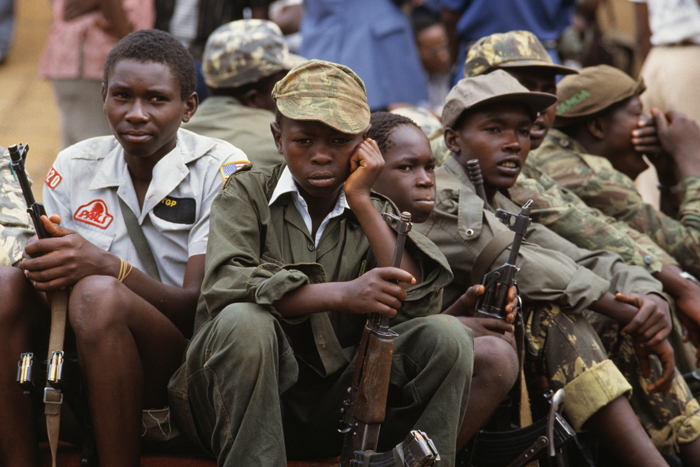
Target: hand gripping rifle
53	397
496	283
365	408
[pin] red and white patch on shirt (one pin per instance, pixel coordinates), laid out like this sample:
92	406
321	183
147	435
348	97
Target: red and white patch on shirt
53	178
94	213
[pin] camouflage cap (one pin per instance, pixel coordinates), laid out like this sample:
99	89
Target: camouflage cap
326	92
508	50
244	51
495	87
591	91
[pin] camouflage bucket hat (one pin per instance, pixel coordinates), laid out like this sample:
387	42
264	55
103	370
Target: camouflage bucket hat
493	88
510	49
244	51
326	92
591	91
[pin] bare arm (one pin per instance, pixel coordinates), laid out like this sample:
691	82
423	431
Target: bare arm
373	292
117	22
642	31
67	257
366	165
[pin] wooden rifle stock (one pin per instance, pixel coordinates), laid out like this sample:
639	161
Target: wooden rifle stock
365	408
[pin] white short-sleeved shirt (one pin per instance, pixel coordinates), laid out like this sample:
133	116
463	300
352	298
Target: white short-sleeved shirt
673	21
84	181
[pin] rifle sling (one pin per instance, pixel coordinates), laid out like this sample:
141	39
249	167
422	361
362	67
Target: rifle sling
488	255
53	399
143	249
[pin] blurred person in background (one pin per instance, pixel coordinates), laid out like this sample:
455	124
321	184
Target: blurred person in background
469	20
7	19
81	36
374	38
192	22
434	53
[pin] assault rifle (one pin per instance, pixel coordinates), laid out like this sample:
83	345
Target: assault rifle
58	364
365	408
18	154
496	283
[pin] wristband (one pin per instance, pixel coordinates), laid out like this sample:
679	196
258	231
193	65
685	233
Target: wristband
124	270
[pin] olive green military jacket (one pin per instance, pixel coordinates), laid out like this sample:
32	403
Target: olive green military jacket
15	225
246	128
562	211
601	186
551	268
258	253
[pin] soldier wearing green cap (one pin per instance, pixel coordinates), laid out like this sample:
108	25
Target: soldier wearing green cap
488	117
592	154
242	62
521	54
285	297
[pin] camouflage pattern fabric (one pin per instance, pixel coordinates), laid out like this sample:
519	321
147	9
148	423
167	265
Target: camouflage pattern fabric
572	351
15	225
669	420
569	216
510	49
243	52
598	184
566	350
326	92
422	117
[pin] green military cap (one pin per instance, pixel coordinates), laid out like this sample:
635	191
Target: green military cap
244	51
591	91
509	50
326	92
493	88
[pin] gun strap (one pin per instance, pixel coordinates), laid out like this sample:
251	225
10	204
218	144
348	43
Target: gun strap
488	255
53	398
525	409
143	249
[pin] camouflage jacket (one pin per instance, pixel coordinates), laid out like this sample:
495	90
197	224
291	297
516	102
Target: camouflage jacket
598	184
552	268
568	215
15	225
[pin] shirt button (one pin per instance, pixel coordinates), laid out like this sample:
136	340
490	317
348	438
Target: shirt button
311	247
565	143
470	232
648	259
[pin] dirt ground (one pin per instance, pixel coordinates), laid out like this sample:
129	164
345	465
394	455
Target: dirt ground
28	111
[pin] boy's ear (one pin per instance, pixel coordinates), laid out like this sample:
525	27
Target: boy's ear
596	127
451	140
191	104
277	135
104	93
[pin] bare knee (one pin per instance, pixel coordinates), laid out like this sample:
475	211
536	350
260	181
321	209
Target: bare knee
15	290
495	363
96	305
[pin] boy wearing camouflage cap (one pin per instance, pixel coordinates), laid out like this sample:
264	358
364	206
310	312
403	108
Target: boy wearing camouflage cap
284	296
591	153
489	117
242	62
520	54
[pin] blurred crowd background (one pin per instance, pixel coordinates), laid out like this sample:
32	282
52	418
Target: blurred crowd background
600	31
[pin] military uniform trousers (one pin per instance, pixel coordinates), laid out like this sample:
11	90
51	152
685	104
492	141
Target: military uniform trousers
584	354
242	393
